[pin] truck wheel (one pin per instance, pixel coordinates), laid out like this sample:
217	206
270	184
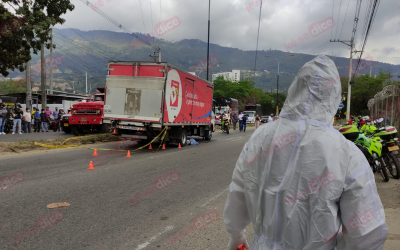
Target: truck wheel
208	135
182	137
104	129
76	131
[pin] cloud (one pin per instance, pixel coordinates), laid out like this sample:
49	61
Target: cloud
235	25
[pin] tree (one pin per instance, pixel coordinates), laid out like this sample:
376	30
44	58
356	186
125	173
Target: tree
364	88
26	28
245	92
12	86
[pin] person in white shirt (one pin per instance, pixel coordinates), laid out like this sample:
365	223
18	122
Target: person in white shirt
27	117
240	122
270	119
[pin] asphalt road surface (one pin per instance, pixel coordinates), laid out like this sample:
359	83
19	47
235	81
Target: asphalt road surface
124	203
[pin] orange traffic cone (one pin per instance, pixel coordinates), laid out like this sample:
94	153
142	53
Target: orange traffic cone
95	153
91	165
115	131
241	247
129	154
163	146
179	146
150	147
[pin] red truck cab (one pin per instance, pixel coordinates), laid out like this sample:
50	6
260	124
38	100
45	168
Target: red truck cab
86	116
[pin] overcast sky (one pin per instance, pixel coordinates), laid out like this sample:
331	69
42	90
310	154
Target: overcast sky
234	23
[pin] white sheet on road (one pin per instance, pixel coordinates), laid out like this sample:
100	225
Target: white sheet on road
298	180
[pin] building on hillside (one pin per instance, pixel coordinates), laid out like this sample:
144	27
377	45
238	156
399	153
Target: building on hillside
231	76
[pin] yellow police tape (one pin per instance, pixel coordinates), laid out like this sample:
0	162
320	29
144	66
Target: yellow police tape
164	132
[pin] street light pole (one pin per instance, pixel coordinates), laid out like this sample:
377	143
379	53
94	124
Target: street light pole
277	83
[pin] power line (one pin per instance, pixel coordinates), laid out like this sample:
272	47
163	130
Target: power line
151	13
105	52
119	25
258	35
348	3
371	21
340	7
84	48
142	15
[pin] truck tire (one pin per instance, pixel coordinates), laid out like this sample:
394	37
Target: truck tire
208	135
182	137
104	129
76	131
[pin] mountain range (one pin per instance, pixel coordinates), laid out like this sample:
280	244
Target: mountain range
90	51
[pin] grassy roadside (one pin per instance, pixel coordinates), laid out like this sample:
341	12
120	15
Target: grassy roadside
29	145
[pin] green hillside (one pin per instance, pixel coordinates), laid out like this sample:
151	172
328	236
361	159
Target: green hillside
91	50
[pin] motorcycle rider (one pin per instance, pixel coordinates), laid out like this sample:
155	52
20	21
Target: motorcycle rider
300	182
3	117
351	121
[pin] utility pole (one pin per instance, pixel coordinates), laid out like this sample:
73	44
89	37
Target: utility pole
51	61
351	44
208	43
43	77
86	83
370	71
28	85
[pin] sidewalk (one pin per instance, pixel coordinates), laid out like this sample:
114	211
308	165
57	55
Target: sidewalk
33	136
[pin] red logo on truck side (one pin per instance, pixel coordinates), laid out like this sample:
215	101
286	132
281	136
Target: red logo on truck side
174	94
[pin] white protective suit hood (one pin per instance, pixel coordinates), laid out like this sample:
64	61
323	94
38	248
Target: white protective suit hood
299	181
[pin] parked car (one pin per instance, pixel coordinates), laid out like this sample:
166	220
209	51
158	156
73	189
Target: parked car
65	123
264	119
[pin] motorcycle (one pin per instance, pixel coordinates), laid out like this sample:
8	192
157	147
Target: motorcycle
53	124
370	147
390	147
225	126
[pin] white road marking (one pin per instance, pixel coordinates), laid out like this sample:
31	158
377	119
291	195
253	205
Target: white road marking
144	245
215	197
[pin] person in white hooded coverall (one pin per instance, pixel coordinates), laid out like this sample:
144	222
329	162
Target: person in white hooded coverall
300	182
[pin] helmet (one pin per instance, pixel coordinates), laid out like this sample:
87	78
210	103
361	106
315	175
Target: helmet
272	114
351	116
2	104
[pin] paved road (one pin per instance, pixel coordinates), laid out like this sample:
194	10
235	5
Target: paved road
33	136
106	210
